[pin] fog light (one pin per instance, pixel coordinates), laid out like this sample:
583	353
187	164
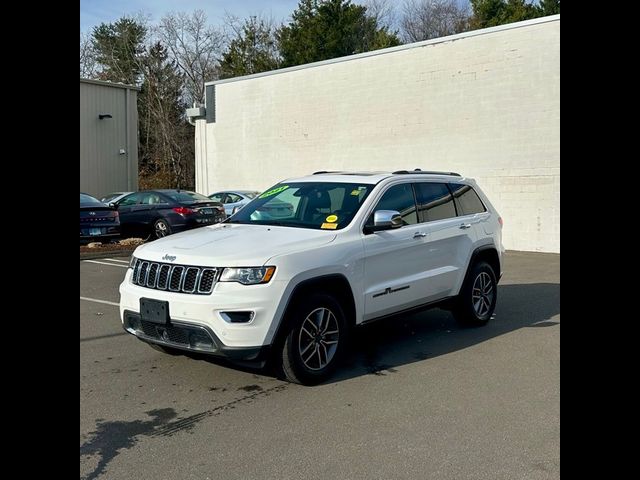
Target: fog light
237	317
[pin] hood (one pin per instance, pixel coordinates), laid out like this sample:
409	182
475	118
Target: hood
232	245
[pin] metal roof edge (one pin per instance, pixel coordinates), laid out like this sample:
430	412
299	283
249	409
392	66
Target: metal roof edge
383	51
109	84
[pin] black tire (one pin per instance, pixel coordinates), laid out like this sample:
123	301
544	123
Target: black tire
300	366
161	228
476	302
167	350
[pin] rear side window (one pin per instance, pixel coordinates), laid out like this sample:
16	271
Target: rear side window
435	202
399	198
467	200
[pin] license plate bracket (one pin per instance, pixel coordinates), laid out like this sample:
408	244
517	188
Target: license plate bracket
154	311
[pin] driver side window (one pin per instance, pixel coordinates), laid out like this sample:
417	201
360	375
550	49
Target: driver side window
399	198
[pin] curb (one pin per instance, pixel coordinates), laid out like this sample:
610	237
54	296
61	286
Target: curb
112	253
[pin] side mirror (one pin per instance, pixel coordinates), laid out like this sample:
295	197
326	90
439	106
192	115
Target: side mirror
113	205
385	220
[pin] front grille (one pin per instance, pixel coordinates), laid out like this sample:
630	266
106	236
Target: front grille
165	332
175	278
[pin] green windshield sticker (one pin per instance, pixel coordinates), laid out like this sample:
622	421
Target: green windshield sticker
274	191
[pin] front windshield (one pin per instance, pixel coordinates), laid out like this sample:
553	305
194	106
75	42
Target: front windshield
317	205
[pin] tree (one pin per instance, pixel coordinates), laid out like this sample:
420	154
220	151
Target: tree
489	13
253	48
166	154
118	48
549	7
323	29
426	19
383	12
195	47
88	63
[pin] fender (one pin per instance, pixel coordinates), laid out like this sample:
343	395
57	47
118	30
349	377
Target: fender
348	300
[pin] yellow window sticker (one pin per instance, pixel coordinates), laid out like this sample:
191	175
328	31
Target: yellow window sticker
331	219
330	226
355	193
273	191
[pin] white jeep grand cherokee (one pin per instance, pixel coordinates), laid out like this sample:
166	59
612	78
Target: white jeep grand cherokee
289	275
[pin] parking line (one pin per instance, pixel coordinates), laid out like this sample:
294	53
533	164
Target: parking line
99	301
105	263
117	260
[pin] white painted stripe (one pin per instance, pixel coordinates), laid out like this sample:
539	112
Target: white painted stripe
117	260
99	301
105	263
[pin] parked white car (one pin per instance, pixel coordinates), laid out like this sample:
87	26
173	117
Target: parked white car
356	247
233	200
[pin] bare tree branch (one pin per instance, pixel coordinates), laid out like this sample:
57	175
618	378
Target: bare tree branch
426	19
88	62
195	46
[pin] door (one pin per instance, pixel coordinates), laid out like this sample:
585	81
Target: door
145	212
471	210
128	226
393	258
450	242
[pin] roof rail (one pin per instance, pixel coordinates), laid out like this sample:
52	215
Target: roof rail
426	172
324	171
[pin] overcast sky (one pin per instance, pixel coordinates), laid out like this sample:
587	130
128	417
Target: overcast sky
94	12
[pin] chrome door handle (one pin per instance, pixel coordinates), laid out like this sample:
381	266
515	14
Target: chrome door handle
464	226
419	235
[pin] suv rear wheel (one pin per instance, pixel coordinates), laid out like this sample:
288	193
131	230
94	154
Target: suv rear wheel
477	299
316	341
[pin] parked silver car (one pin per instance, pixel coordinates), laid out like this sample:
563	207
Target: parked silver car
233	199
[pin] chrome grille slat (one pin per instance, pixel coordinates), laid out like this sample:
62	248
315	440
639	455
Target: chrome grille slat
174	278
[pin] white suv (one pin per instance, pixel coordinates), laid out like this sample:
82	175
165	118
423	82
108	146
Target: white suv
350	248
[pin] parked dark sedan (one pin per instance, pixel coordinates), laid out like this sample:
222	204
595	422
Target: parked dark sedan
158	213
98	222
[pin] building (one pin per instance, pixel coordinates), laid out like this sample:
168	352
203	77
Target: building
484	103
108	137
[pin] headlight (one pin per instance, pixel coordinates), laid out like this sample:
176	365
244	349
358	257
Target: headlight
247	275
132	262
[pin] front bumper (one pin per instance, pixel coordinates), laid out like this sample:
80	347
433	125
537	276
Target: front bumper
191	314
189	337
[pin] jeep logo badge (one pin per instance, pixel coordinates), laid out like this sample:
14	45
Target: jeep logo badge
168	257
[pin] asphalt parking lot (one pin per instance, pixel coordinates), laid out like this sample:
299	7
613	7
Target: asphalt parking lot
419	397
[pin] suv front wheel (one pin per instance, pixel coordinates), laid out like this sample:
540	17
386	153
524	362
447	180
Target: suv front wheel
477	299
315	343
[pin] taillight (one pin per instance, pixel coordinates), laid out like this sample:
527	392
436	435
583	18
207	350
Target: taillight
500	221
184	210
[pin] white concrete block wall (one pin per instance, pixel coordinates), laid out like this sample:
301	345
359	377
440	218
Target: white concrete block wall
485	104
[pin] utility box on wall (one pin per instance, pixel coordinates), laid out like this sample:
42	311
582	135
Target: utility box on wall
108	137
485	103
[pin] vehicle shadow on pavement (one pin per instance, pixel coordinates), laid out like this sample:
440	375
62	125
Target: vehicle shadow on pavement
380	347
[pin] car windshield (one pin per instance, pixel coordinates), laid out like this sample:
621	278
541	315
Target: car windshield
185	196
88	200
317	205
